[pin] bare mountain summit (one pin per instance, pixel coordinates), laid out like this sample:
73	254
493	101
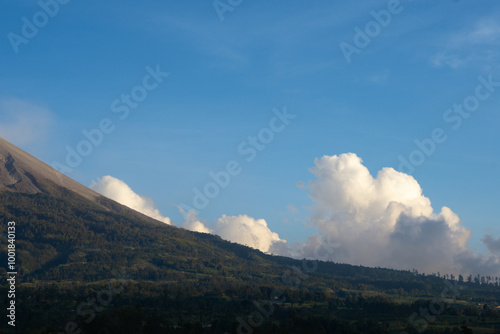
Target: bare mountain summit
21	172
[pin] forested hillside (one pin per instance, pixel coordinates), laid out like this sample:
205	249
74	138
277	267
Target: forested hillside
157	278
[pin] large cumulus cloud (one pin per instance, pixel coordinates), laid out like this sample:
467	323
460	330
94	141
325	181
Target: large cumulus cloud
386	220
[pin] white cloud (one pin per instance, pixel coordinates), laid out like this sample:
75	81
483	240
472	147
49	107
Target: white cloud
386	220
23	123
241	229
119	191
381	221
248	231
192	223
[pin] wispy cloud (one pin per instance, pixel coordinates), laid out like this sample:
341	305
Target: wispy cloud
484	31
477	43
377	78
292	208
443	59
24	123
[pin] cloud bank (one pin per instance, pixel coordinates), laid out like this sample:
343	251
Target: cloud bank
377	221
386	221
119	191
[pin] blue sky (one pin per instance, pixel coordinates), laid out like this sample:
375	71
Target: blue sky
227	76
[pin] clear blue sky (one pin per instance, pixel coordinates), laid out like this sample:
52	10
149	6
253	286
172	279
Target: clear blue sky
226	77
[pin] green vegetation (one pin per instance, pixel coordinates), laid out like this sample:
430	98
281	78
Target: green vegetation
98	268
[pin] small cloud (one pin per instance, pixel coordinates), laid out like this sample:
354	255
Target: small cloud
192	223
248	231
492	244
300	185
374	79
378	79
442	59
23	123
119	191
485	31
241	229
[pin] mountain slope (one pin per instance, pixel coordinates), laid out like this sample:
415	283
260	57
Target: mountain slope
66	231
73	245
21	172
